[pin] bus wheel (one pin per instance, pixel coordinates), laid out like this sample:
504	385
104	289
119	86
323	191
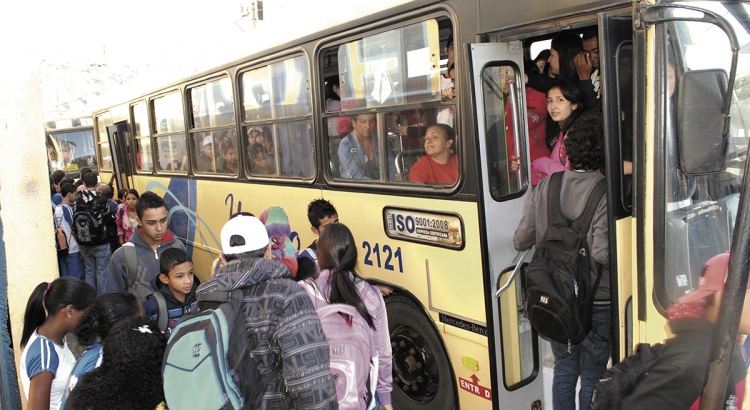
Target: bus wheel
422	376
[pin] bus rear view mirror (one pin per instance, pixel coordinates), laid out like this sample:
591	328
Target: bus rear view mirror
700	131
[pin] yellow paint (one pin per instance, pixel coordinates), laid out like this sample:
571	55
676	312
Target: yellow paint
470	363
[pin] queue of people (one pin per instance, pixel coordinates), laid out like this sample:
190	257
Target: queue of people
121	331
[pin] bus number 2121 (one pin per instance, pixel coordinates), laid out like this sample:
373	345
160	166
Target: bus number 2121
388	253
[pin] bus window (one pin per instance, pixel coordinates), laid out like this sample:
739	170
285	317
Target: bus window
213	136
700	210
102	122
379	73
70	145
498	84
170	132
278	93
391	68
142	131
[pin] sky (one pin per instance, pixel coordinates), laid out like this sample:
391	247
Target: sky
174	38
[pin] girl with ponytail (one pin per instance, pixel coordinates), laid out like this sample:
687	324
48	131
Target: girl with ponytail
339	282
53	310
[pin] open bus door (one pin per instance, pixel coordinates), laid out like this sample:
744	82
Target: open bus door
117	135
498	93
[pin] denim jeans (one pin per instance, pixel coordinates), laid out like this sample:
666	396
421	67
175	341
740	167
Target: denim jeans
71	265
95	260
587	360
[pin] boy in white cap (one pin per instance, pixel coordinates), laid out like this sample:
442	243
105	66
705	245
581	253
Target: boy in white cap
676	379
283	327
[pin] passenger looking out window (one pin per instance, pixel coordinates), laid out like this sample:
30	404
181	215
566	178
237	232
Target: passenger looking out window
358	151
440	165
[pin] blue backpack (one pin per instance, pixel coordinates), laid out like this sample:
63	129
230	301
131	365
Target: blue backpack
207	363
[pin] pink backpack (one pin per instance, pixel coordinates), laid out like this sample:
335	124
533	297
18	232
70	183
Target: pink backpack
353	356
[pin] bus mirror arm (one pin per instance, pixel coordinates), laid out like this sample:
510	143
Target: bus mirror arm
521	259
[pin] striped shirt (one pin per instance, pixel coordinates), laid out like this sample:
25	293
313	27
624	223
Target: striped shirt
43	355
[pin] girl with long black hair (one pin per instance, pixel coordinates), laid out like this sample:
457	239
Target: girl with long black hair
53	310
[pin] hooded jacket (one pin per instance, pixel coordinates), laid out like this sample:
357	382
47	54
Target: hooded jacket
284	332
175	308
148	263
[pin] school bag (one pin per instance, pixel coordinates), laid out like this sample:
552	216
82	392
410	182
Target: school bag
92	221
353	357
207	363
621	379
559	290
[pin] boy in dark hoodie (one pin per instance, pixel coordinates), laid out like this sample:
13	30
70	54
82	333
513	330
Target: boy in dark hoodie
175	286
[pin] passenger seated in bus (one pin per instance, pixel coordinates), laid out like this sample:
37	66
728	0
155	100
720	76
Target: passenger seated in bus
229	155
358	151
205	160
588	359
268	145
260	163
564	105
440	165
675	381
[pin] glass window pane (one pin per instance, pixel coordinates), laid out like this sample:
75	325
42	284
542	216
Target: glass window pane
143	156
103	122
140	120
500	84
172	153
261	152
291	96
216	152
296	151
358	153
700	210
212	104
168	114
395	67
256	94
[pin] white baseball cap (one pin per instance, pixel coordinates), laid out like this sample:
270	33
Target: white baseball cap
249	229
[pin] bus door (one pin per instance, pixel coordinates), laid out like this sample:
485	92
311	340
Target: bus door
118	142
500	103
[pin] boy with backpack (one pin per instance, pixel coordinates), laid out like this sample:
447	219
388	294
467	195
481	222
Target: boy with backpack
285	338
69	264
320	213
586	353
175	290
92	224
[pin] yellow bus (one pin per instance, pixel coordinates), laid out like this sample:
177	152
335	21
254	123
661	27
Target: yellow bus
456	314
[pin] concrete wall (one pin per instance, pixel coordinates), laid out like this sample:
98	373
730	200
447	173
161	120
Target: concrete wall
24	181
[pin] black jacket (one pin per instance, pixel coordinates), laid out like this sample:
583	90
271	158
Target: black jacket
676	379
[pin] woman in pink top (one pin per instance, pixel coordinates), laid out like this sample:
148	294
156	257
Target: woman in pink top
564	105
126	216
440	165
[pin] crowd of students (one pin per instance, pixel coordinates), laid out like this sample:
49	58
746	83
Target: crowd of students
122	331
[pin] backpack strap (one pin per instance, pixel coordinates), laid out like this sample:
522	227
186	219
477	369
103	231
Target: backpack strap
583	223
162	316
554	211
131	264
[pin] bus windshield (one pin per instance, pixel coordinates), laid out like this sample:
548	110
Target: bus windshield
70	148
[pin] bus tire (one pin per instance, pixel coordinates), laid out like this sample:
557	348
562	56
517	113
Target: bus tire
422	376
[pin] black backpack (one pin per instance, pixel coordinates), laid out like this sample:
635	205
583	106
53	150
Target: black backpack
620	380
92	221
559	291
